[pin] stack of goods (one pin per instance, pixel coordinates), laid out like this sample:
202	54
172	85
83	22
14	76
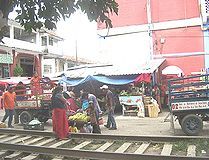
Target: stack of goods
151	107
147	102
78	120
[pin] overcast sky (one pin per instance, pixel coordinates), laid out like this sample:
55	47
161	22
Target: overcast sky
89	45
79	30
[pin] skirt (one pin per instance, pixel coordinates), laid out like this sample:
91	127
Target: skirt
60	123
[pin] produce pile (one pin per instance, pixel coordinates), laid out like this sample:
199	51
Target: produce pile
77	121
81	117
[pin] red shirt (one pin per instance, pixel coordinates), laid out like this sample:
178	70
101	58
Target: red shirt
9	100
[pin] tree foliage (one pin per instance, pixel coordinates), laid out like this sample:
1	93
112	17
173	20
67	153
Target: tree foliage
18	71
34	14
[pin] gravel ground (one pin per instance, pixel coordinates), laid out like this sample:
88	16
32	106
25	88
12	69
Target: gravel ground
132	125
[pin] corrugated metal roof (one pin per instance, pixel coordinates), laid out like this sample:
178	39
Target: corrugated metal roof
110	70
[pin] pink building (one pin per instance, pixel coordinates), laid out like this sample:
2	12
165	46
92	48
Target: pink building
174	30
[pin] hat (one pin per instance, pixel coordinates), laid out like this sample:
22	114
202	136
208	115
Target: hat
104	87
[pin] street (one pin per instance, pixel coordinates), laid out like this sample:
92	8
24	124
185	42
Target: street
132	125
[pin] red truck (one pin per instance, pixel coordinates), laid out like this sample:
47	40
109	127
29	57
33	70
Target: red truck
32	104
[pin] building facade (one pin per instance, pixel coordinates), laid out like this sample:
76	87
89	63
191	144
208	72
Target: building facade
40	51
175	30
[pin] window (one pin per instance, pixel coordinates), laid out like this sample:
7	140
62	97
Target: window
44	41
204	10
47	69
20	34
207	6
50	41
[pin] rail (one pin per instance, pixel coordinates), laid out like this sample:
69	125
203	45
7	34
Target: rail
26	145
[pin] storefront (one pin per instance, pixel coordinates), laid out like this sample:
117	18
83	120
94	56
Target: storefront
6	60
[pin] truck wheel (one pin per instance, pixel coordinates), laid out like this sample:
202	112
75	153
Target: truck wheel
42	118
180	118
25	117
191	124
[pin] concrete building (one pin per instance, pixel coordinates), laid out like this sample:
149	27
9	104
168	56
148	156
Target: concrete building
40	51
175	30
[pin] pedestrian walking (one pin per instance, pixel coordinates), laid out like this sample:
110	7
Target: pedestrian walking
9	101
110	104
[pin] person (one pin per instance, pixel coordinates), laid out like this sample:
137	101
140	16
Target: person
20	91
91	111
35	84
9	101
92	98
59	118
70	99
111	124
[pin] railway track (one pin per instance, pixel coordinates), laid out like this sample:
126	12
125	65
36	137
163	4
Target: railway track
28	145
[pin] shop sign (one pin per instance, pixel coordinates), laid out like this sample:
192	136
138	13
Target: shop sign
190	105
6	58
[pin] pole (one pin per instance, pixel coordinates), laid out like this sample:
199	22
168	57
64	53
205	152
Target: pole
76	52
149	20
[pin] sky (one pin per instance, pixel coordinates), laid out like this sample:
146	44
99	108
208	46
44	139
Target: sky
130	50
80	34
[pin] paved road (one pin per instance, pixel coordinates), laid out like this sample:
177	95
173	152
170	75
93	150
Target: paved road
131	125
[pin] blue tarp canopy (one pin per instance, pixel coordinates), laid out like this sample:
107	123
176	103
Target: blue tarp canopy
117	80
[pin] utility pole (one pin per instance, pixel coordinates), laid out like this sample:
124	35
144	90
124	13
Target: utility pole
149	20
76	52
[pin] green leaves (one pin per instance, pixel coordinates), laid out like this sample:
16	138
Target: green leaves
34	14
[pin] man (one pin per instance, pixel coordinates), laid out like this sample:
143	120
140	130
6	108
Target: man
111	124
9	100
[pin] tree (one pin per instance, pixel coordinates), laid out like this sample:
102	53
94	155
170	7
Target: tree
18	71
34	14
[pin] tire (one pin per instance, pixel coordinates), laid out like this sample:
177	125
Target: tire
42	118
25	117
192	125
180	118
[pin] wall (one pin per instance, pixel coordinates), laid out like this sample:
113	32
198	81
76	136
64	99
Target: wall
131	12
183	35
165	10
180	40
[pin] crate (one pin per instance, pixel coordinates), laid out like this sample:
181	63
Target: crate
152	111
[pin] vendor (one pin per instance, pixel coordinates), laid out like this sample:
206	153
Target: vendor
35	84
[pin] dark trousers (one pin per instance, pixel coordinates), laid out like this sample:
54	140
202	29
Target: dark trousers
111	120
96	129
8	113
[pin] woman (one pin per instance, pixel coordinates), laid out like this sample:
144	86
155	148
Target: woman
59	119
93	118
71	103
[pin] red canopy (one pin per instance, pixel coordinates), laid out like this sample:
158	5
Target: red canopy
144	77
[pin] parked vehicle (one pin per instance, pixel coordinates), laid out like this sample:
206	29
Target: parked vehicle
189	102
31	105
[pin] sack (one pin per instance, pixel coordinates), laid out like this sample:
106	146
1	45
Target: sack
101	121
2	125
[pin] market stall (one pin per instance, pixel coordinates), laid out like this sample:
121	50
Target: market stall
132	105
